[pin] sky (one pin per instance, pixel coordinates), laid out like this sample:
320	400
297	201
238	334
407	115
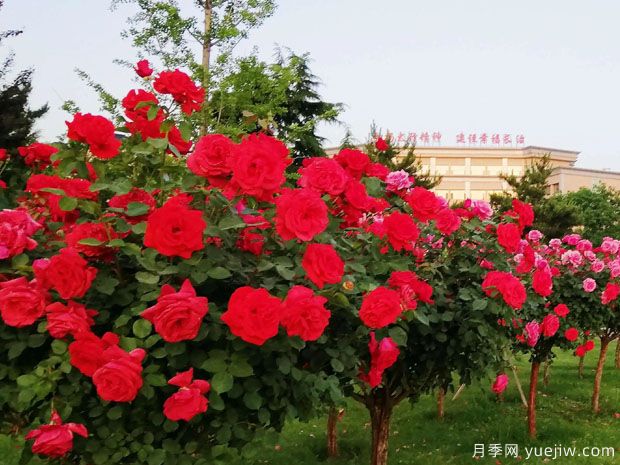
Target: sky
549	70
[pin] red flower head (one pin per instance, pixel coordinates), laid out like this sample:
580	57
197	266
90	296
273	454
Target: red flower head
37	155
258	165
67	273
322	264
509	237
401	231
16	229
500	384
305	314
542	282
56	438
189	400
120	378
380	307
300	214
532	333
524	212
550	325
73	318
134	197
381	145
353	161
3	155
254	315
447	221
382	356
183	90
87	352
103	232
571	334
561	310
377	170
411	288
137	104
325	175
21	302
610	293
510	288
580	351
177	316
589	345
424	204
211	158
97	132
175	229
143	68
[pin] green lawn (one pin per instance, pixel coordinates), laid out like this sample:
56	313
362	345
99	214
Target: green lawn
474	418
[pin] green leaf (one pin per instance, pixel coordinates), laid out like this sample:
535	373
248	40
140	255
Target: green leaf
90	241
115	412
239	367
68	204
216	362
399	335
142	328
160	144
252	400
231	222
222	382
147	278
421	318
337	365
136	209
479	304
156	379
219	273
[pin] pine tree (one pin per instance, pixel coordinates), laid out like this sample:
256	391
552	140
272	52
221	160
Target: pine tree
17	119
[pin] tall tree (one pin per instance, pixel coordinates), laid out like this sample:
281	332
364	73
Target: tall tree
600	211
17	119
554	217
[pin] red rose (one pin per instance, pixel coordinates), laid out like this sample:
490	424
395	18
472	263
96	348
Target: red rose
119	379
528	261
189	400
382	356
97	132
253	314
580	351
542	282
134	196
324	175
301	214
611	293
589	345
509	237
73	318
305	314
524	213
176	140
143	68
511	289
357	196
258	165
174	229
571	334
500	384
447	221
87	352
21	302
424	204
67	273
322	264
411	288
550	325
561	310
76	188
177	316
135	108
377	170
353	161
3	154
211	158
103	232
16	227
183	90
380	307
55	439
401	230
381	145
37	155
250	240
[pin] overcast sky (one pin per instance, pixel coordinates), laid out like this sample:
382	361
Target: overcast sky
549	70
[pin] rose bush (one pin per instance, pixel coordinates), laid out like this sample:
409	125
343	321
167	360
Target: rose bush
178	306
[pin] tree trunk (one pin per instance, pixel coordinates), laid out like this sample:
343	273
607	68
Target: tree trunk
206	61
332	433
531	408
380	414
599	374
582	361
618	353
441	395
546	373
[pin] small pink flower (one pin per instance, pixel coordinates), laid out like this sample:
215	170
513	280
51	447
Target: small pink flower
534	235
598	266
398	180
555	243
482	209
571	239
532	332
589	285
500	384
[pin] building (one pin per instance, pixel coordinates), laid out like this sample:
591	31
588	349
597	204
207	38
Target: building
474	172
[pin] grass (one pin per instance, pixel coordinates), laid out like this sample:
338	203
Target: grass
418	437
